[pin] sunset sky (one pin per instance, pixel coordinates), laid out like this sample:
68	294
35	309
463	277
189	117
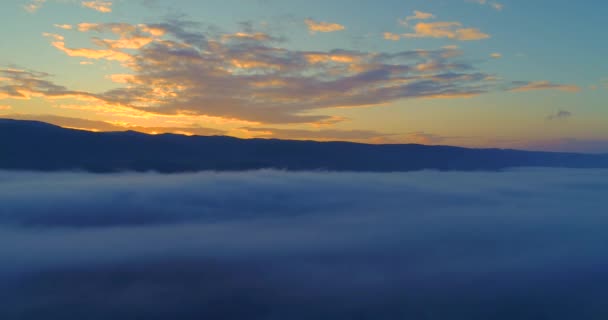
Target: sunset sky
475	73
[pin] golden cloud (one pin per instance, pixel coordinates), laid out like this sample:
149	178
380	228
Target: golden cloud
101	6
314	26
543	85
392	36
34	5
449	30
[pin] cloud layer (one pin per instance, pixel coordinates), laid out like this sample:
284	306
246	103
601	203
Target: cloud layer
174	68
452	30
249	78
274	245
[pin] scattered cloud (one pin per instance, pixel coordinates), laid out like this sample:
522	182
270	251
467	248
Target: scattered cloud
34	6
603	84
177	68
248	76
58	42
98	5
496	55
64	26
524	86
447	30
5	107
418	15
497	6
318	26
25	84
441	29
493	4
392	36
560	115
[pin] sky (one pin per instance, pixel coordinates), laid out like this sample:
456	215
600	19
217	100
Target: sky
475	73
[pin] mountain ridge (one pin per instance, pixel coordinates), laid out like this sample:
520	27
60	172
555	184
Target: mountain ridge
39	146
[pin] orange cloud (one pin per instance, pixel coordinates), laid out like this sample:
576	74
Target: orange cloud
258	36
101	6
418	15
134	42
64	26
320	58
96	54
392	36
174	70
34	6
543	85
130	37
253	64
449	30
314	26
122	78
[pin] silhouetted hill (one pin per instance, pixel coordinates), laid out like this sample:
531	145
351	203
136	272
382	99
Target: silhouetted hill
32	145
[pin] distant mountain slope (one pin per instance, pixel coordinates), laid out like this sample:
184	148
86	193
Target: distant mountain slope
31	145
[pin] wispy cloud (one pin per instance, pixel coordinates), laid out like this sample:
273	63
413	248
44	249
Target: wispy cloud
64	26
496	55
98	5
524	86
58	42
34	6
324	134
418	15
560	115
448	30
493	4
104	6
392	36
440	29
602	84
319	26
25	84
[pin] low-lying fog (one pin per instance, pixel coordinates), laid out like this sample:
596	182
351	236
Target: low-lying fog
519	244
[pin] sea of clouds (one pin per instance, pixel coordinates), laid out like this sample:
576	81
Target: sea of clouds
517	244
